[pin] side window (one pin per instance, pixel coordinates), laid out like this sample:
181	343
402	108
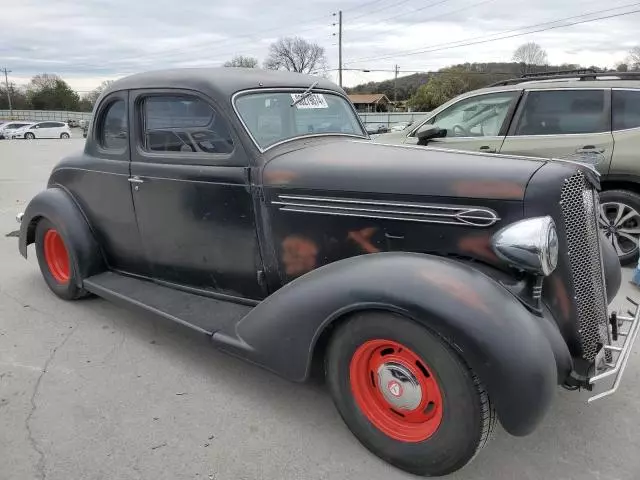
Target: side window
184	124
561	112
626	109
479	116
33	127
113	130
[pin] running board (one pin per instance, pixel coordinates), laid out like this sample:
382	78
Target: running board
204	314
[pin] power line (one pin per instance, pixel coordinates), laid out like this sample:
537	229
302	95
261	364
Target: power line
386	7
430	19
466	42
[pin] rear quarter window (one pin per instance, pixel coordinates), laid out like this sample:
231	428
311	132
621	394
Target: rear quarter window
626	109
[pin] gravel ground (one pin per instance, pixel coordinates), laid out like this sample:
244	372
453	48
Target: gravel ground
89	390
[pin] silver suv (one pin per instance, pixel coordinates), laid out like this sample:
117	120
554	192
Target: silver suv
575	113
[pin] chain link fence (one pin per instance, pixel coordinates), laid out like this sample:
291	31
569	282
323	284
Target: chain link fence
371	120
44	115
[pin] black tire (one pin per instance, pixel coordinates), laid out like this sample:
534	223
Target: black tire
67	290
627	251
468	417
64	136
29	136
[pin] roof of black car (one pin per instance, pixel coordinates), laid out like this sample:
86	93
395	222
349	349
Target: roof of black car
219	82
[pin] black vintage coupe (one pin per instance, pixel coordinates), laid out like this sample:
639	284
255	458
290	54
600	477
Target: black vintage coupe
440	290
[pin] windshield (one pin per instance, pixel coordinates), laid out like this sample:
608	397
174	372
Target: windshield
271	118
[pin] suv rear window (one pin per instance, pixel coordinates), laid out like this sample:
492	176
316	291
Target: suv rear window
562	112
626	109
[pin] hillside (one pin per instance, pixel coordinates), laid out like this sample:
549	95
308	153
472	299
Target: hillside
478	75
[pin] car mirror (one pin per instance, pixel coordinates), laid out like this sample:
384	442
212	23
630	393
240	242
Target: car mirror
427	132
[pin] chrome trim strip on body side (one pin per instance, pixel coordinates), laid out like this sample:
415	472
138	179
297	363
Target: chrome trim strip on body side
624	352
414	212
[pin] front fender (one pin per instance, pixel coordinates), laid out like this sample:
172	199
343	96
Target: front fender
58	207
502	341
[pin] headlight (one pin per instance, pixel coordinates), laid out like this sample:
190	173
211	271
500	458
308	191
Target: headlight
530	245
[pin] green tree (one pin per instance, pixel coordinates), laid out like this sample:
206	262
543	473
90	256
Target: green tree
19	100
50	92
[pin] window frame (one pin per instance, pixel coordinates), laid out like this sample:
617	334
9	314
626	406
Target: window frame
523	103
105	108
247	131
141	155
454	101
620	89
93	134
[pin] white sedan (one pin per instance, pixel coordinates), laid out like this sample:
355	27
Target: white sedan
43	130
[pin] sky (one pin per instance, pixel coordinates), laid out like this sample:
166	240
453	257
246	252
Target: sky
88	41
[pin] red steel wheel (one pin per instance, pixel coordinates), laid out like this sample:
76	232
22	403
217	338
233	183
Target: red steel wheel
395	390
56	256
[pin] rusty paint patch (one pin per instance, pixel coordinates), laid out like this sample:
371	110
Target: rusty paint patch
279	177
299	255
363	239
497	189
456	288
478	246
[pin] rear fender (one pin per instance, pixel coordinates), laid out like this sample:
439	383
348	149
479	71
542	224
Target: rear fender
58	207
503	343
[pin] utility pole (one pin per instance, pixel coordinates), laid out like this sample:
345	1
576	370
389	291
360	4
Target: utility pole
6	82
395	85
340	48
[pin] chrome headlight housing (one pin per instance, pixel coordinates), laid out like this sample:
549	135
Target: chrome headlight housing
530	245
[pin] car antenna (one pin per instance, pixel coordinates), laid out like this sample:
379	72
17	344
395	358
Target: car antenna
305	94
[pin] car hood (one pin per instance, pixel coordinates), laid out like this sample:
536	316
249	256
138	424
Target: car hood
394	138
364	166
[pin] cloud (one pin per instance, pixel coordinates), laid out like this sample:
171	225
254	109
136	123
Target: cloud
88	41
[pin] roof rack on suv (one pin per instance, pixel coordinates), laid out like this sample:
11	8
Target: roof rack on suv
582	74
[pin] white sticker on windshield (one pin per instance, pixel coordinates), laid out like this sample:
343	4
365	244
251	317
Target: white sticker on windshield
315	100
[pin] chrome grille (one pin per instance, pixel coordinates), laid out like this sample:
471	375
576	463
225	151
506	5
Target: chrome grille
580	205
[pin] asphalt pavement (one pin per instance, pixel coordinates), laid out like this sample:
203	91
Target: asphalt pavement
89	390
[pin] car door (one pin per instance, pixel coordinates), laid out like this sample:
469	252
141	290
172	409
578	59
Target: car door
477	123
45	130
100	186
626	133
189	175
563	123
57	129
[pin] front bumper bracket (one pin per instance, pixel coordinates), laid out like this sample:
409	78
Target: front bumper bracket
620	352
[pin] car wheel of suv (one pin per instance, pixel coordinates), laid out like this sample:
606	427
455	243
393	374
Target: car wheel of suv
55	262
29	136
620	222
64	135
407	395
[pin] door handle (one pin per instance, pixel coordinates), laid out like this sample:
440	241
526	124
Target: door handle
590	149
135	179
487	149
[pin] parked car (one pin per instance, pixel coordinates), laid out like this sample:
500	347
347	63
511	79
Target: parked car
73	123
438	290
554	116
8	128
400	126
373	129
43	130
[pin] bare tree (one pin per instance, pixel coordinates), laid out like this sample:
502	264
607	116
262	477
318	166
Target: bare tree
295	54
634	58
94	94
43	81
529	55
242	62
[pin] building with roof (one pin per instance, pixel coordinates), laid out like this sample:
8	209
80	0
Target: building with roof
370	102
